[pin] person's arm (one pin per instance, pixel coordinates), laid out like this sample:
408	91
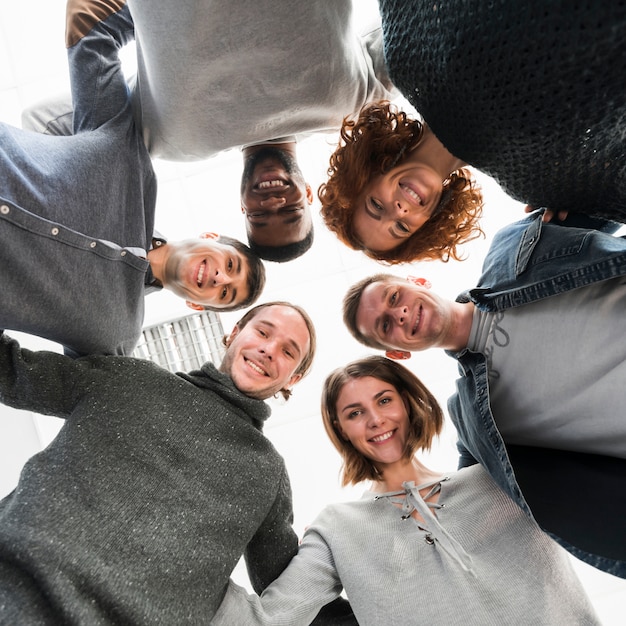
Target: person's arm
272	549
43	382
309	582
96	31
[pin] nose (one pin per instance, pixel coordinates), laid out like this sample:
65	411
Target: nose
399	209
375	419
273	202
400	314
220	278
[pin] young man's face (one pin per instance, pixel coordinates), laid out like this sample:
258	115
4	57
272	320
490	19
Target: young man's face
262	357
275	199
402	315
206	272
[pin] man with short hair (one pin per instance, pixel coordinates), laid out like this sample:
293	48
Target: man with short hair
210	78
140	508
78	246
542	376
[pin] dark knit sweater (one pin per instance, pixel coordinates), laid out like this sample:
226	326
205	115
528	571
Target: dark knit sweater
140	508
530	92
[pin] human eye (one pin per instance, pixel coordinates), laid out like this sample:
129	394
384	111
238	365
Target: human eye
354	413
393	298
288	353
375	206
230	265
385	326
403	229
224	293
262	332
384	400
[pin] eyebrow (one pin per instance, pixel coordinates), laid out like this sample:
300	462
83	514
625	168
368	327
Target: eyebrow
378	320
289	340
370	212
378	218
382	392
290	220
233	290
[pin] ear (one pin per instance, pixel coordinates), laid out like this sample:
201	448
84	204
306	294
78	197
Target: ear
208	235
233	333
293	380
309	194
194	306
424	282
398	355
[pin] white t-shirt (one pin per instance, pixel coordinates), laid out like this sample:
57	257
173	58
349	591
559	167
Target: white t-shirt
557	369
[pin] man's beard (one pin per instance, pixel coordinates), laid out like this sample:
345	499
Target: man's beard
286	159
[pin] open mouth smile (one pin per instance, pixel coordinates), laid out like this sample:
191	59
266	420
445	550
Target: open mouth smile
255	367
383	437
418	319
412	194
200	275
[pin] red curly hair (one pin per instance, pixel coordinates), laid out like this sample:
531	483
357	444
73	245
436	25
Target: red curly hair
373	144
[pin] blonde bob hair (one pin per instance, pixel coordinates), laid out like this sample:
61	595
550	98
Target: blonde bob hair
425	414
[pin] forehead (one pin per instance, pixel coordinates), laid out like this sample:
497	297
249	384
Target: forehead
374	298
287	322
361	389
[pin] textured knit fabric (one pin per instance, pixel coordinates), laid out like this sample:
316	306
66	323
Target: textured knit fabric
77	212
394	575
530	92
212	75
140	508
529	261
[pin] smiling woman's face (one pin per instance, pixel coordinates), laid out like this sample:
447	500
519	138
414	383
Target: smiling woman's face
395	205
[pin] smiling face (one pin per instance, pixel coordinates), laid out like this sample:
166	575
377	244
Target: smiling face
263	357
395	205
275	198
205	272
401	315
373	416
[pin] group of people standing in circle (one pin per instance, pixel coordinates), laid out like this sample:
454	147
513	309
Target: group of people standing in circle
157	483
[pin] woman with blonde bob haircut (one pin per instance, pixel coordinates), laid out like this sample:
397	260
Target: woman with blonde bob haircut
395	192
419	546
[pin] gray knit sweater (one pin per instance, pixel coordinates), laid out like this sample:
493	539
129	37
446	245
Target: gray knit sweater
529	91
140	508
487	565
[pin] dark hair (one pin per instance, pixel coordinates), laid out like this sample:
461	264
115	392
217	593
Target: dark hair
351	303
425	414
307	360
373	144
288	252
256	275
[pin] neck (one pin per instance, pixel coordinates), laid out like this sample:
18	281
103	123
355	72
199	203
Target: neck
157	257
440	159
457	334
406	470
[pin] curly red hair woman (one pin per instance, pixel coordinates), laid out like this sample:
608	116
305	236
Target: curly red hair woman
395	192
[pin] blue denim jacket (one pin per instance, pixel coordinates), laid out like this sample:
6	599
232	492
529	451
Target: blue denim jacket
528	261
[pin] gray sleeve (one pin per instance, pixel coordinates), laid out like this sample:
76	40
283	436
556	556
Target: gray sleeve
53	116
309	583
43	382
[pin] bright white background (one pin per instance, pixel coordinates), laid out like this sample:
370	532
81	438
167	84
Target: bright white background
204	196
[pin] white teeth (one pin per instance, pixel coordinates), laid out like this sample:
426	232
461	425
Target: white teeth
417	321
382	437
412	194
256	368
266	184
201	273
